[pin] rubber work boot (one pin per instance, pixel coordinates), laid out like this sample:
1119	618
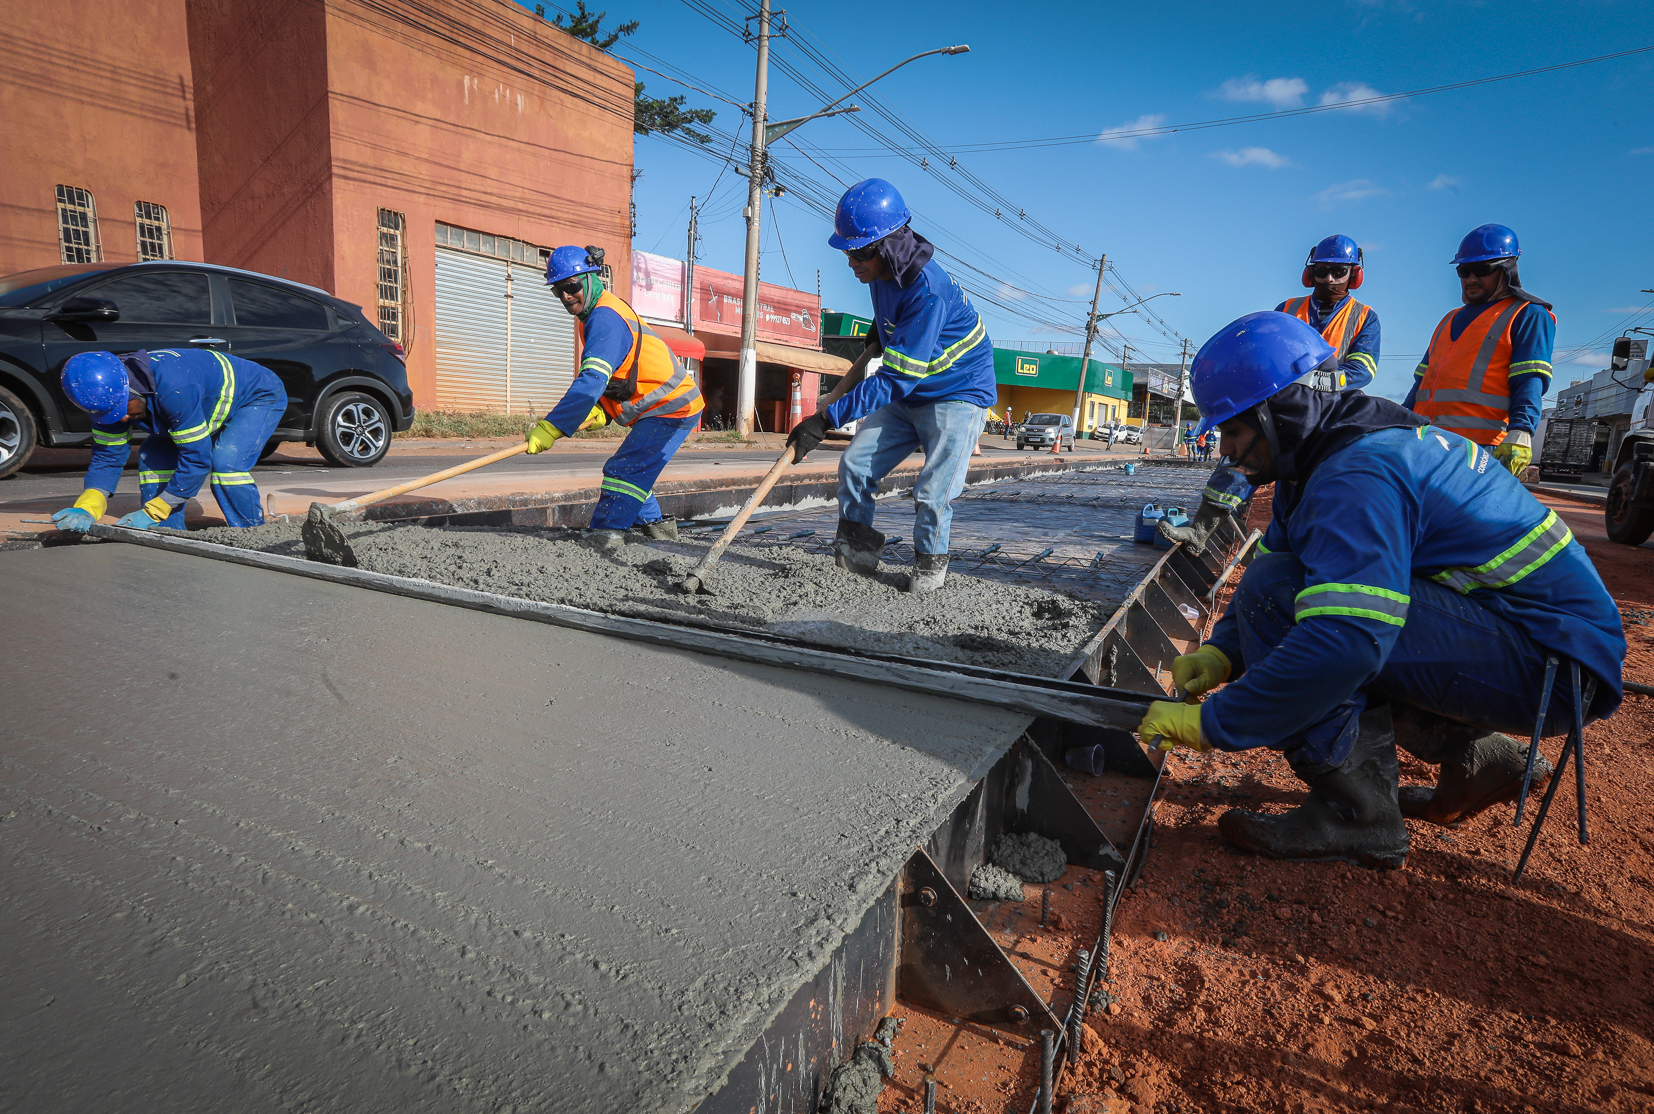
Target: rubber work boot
1350	814
1479	769
660	530
857	548
1208	516
929	572
605	541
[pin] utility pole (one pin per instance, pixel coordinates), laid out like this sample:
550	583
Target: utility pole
1182	377
689	275
1085	357
746	394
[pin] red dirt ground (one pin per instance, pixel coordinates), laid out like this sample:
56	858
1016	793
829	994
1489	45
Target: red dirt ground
1327	988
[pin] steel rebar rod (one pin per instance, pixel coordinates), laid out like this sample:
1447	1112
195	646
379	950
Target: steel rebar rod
1538	732
1047	1068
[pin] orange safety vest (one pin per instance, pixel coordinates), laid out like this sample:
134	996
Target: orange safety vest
649	383
1466	383
1340	331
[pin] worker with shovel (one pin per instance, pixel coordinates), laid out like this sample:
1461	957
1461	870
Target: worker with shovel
1334	267
1485	373
1409	592
933	385
208	416
627	375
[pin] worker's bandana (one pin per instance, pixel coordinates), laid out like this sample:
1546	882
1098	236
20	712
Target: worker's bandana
140	376
906	253
1312	425
591	286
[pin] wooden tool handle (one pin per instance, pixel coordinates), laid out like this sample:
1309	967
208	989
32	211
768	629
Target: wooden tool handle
740	520
434	477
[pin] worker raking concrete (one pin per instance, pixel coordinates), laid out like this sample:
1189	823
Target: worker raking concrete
1333	268
207	415
1408	591
1488	366
933	386
627	375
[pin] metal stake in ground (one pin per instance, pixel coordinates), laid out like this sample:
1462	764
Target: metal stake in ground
1047	1068
1576	746
325	542
696	580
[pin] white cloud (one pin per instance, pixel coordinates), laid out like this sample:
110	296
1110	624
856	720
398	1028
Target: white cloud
1642	150
1253	156
1343	193
1079	290
1277	92
1009	293
1122	138
1443	182
1350	91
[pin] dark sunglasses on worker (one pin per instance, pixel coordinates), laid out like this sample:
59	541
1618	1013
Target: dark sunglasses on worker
568	286
1476	270
1331	270
862	255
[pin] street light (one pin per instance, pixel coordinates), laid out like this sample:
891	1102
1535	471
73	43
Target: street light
762	134
1090	335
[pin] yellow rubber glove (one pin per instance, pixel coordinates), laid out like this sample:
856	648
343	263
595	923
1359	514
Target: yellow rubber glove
1515	451
93	502
542	437
1173	725
597	419
158	509
1201	671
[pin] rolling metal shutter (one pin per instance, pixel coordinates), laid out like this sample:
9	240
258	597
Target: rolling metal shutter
491	358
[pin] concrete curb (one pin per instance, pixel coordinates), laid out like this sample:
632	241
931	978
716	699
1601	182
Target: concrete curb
1583	495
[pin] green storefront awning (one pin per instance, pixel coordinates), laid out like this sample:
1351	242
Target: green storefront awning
1059	373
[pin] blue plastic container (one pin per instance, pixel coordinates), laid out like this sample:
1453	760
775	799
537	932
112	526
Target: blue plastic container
1131	469
1147	519
1175	517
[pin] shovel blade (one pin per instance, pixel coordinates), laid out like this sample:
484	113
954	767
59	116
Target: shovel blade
324	541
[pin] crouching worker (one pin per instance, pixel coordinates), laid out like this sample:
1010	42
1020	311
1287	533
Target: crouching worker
627	375
932	388
207	414
1410	594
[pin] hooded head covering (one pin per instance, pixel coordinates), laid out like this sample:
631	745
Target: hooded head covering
906	253
1305	426
1508	265
140	375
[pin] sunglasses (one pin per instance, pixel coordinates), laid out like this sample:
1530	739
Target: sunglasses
568	286
862	255
1476	270
1330	270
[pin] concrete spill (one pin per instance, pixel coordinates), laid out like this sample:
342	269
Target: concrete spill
855	1086
992	883
1030	857
781	589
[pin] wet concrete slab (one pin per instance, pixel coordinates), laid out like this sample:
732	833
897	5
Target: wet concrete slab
273	844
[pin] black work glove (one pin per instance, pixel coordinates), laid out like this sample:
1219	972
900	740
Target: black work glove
807	434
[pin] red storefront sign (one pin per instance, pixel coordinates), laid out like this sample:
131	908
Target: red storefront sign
785	316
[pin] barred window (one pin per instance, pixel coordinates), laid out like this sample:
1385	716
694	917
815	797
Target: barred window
608	277
77	226
393	269
154	230
500	247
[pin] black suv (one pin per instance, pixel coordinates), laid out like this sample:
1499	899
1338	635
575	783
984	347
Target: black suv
347	388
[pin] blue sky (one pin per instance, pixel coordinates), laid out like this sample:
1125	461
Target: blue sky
1223	215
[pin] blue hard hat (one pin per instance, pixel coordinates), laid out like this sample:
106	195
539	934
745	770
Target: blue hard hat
570	260
869	210
96	382
1336	249
1250	359
1491	241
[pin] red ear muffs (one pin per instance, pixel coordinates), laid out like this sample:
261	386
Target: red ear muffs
1309	280
1357	273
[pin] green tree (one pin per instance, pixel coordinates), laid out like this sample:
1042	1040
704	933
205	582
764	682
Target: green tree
666	115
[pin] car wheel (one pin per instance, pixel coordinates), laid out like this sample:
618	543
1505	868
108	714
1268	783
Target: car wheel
17	433
1627	523
355	430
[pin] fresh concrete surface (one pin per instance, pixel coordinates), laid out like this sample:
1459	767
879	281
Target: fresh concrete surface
276	844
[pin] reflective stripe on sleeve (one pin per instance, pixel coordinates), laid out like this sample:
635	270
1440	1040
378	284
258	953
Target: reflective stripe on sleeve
1262	548
1365	360
193	433
1358	601
906	365
601	366
621	487
1526	554
1530	367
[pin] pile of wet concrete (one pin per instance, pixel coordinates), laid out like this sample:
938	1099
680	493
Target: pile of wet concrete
779	589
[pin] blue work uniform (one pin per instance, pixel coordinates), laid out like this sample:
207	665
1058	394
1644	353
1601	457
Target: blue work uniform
1532	338
1360	362
209	416
932	388
630	473
1410	565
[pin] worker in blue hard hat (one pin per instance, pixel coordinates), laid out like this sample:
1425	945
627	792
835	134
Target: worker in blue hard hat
1408	591
207	415
1333	268
933	385
1488	366
627	375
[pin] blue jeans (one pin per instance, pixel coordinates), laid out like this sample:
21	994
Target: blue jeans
1454	658
947	430
633	469
235	449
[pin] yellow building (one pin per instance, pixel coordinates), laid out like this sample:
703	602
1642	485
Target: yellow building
1043	383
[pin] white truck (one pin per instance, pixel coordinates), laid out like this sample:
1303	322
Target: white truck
1630	508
